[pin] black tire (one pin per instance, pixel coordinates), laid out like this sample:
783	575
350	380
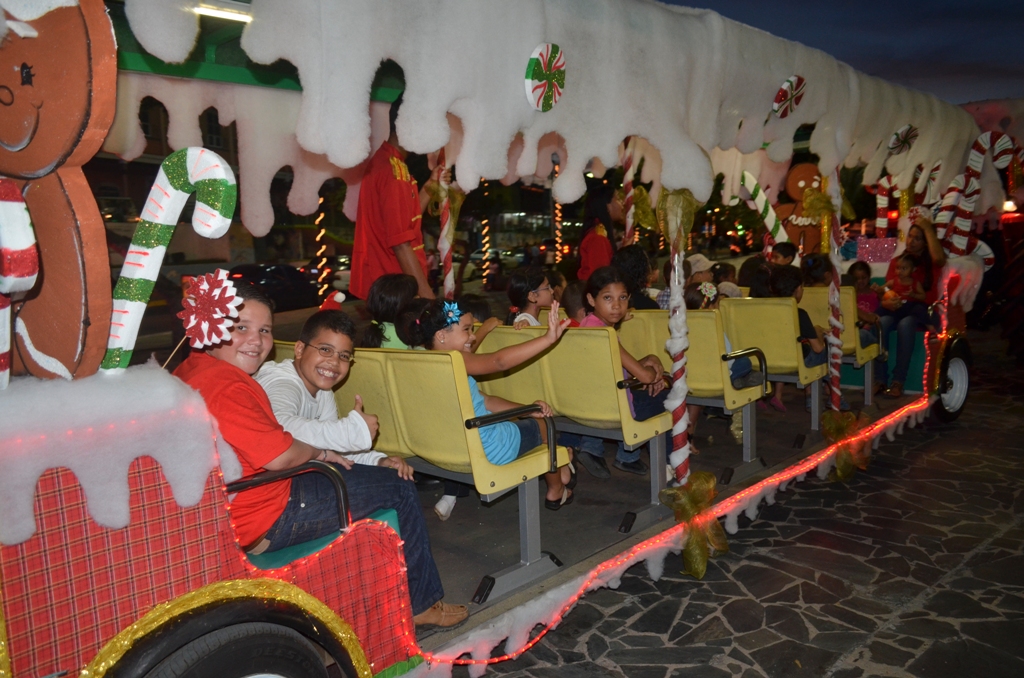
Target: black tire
954	382
244	650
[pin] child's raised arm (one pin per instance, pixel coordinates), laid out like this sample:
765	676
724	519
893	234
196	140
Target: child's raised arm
478	364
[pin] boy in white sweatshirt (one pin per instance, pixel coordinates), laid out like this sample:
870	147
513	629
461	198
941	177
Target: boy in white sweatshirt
302	398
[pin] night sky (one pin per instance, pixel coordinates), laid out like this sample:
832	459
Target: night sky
959	51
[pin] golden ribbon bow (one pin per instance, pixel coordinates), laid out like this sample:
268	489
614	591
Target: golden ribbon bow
455	199
838	427
643	213
675	212
705	535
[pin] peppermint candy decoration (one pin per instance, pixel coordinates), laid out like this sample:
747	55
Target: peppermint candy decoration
902	139
545	76
210	303
789	96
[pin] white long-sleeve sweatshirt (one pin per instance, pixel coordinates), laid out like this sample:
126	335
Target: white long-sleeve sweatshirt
315	421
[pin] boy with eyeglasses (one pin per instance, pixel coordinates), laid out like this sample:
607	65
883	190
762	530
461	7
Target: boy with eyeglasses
301	394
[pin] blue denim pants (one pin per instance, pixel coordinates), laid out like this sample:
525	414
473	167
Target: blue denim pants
905	327
312	512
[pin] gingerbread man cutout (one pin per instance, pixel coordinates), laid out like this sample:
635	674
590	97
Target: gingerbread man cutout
58	78
804	232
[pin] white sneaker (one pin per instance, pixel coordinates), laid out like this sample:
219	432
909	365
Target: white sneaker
443	507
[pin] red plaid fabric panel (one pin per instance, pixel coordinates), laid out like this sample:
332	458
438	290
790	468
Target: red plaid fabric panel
361	576
75	584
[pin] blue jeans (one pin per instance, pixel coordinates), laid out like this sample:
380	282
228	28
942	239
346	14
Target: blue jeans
645	407
868	336
312	512
589	444
741	367
816	358
906	335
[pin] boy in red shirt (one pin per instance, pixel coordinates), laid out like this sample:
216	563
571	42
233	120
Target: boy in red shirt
305	507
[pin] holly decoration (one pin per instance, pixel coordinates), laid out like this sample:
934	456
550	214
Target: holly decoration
545	76
209	305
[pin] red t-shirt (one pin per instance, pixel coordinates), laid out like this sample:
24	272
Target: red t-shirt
595	252
388	215
247	423
931	294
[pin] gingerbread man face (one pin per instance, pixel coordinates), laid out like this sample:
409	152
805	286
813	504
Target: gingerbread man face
802	177
45	96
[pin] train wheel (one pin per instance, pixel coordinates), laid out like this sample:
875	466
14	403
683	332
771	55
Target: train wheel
954	380
250	650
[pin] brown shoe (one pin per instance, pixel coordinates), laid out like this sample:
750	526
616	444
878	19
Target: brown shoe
879	388
896	390
442	615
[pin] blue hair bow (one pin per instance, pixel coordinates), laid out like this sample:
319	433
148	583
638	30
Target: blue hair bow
452	313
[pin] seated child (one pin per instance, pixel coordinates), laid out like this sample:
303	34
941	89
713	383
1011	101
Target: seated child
305	507
909	295
480	308
760	281
723	272
702	296
635	266
443	326
388	294
572	300
786	281
302	397
783	253
816	270
529	291
700	267
867	302
608	303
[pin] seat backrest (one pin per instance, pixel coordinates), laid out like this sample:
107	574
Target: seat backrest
543	316
283	350
745	291
848	314
645	334
577	377
706	372
815	302
769	324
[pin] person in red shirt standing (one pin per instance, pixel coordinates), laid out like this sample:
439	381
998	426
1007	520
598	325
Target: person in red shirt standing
595	248
305	507
389	235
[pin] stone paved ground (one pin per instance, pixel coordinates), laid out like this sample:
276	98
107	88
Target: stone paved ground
914	568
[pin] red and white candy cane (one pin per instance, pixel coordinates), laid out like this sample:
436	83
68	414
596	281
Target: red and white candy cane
1002	151
832	338
775	233
950	201
958	240
882	222
444	243
19	263
629	166
675	402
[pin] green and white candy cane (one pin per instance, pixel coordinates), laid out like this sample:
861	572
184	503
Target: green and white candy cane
183	172
776	233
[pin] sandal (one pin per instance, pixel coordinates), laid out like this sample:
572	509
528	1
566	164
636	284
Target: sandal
567	498
777	405
572	477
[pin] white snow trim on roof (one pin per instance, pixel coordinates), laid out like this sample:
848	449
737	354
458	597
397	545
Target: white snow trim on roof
686	80
97	427
27	10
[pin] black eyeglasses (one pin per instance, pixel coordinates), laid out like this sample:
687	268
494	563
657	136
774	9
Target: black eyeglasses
328	352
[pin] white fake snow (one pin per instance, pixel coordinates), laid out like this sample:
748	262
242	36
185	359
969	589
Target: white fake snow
683	79
96	427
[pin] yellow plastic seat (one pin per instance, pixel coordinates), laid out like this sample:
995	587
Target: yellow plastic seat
579	377
774	326
815	302
745	291
707	375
